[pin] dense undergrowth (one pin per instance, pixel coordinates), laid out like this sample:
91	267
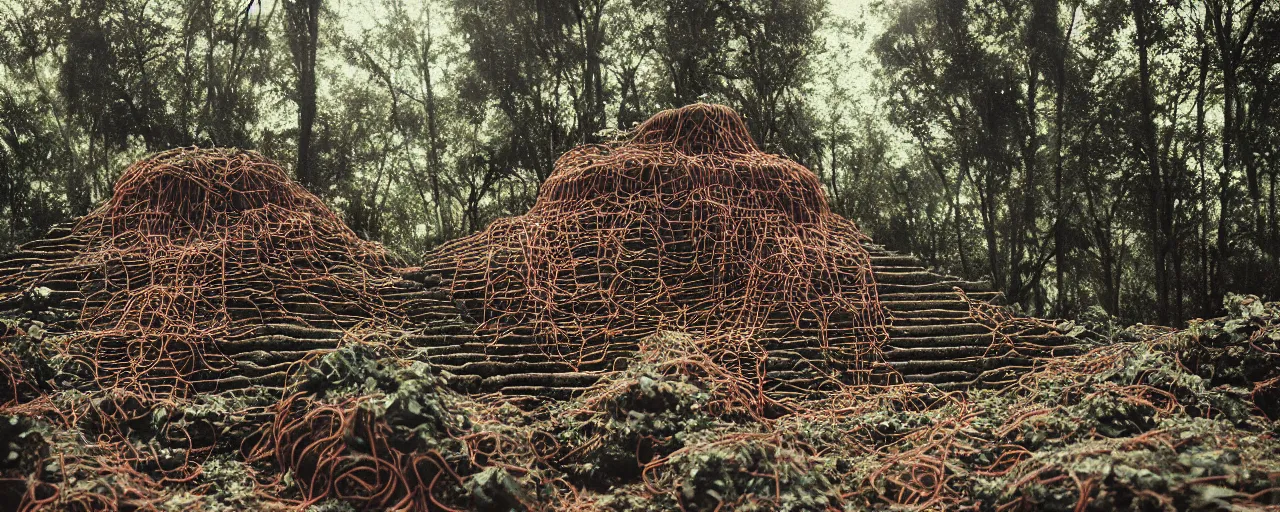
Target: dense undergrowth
1149	419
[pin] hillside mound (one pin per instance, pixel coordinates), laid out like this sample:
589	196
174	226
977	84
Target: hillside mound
199	254
686	225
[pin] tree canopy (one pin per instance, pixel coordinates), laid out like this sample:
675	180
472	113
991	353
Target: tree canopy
1079	154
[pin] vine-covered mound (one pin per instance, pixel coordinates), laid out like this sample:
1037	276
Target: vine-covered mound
685	225
204	260
132	346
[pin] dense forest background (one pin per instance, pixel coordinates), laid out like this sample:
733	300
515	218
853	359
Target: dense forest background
1080	154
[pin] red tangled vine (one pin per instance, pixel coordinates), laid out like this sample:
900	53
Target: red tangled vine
684	226
199	248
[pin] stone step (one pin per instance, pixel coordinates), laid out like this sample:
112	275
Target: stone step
893	260
931	352
928	319
936	329
938	286
897	269
897	306
913	277
954	340
911	296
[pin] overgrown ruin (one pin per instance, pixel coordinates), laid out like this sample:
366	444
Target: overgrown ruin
208	270
687	226
677	303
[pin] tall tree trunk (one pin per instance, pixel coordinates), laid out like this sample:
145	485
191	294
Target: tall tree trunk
1274	233
1025	226
1149	150
1224	175
835	164
302	20
1202	153
1060	203
1222	14
990	213
433	137
590	15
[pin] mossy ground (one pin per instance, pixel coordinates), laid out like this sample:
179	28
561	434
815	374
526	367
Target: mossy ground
1150	419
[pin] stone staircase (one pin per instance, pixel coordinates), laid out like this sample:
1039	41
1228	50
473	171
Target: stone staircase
264	344
933	337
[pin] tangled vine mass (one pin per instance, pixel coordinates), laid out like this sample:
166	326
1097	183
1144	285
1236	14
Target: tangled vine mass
196	250
684	226
679	323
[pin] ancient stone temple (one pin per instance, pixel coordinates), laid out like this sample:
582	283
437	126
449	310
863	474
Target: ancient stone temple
679	322
212	270
686	225
209	269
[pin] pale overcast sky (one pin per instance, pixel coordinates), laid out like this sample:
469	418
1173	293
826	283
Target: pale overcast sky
849	8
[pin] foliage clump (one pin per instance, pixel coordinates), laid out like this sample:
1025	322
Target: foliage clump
634	416
366	429
747	471
1240	350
